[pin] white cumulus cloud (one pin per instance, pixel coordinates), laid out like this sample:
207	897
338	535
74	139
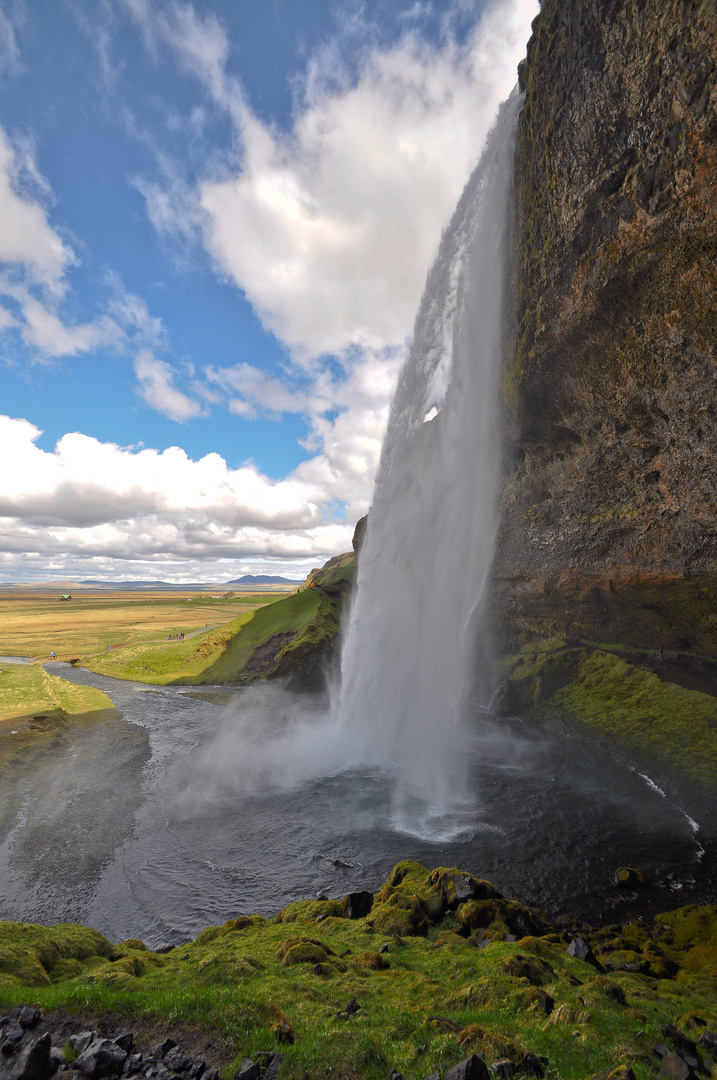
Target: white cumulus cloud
100	500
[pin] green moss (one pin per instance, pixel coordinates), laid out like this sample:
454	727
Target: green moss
309	911
31	954
260	986
632	709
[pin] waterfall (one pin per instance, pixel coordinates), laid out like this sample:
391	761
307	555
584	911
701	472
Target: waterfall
409	649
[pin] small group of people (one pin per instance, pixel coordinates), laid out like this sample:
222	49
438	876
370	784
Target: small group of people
175	637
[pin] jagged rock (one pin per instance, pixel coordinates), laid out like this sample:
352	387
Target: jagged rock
13	1036
674	1067
101	1058
33	1061
158	1052
580	949
682	1042
177	1060
250	1071
28	1017
473	1068
504	1069
271	1072
82	1040
125	1041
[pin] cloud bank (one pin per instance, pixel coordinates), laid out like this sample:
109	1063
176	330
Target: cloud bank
327	227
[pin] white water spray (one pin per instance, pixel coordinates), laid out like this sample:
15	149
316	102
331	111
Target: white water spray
409	650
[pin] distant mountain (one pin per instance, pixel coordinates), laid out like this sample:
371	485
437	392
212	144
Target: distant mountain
135	585
263	579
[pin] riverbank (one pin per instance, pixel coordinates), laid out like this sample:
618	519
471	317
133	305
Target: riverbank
433	967
630	663
38	710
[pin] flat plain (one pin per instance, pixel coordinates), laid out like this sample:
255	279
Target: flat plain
36	624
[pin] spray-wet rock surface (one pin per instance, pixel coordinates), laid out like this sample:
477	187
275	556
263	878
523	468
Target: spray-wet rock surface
607	550
612	430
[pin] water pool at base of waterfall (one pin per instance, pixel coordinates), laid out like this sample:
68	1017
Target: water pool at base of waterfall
120	831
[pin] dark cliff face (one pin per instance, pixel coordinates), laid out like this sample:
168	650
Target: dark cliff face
611	460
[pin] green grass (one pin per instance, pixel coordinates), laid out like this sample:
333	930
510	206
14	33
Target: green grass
287	616
626	707
37	708
425	1003
165	662
221	656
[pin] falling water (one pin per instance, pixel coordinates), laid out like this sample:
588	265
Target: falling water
409	652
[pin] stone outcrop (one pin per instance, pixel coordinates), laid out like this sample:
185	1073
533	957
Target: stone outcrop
610	389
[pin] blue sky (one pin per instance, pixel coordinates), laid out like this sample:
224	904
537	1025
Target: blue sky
215	223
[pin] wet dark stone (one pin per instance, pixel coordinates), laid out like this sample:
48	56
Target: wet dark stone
357	904
33	1062
28	1017
12	1040
473	1068
177	1060
682	1042
504	1069
101	1058
675	1067
249	1072
533	1065
81	1041
580	949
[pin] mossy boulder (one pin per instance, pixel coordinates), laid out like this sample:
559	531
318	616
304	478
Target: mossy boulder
29	954
532	968
309	911
304	951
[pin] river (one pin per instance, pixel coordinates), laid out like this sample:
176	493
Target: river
123	831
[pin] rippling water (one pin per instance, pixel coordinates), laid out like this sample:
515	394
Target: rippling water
135	828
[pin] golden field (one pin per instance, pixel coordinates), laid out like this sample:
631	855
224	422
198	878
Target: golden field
35	624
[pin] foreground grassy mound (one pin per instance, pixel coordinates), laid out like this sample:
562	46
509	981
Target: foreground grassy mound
469	972
36	710
620	700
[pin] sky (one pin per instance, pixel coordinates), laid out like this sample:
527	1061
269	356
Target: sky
216	221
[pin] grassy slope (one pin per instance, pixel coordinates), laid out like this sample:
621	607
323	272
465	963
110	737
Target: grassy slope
165	662
217	657
629	708
290	615
36	707
425	1003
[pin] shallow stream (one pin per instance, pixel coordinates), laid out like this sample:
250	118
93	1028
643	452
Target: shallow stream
120	830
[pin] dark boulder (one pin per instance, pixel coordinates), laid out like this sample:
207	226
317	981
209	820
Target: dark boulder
101	1058
357	904
473	1068
33	1061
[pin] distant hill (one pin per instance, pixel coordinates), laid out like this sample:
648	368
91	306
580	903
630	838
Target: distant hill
263	579
135	585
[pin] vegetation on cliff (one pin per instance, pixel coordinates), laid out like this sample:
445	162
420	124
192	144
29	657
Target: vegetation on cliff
469	972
